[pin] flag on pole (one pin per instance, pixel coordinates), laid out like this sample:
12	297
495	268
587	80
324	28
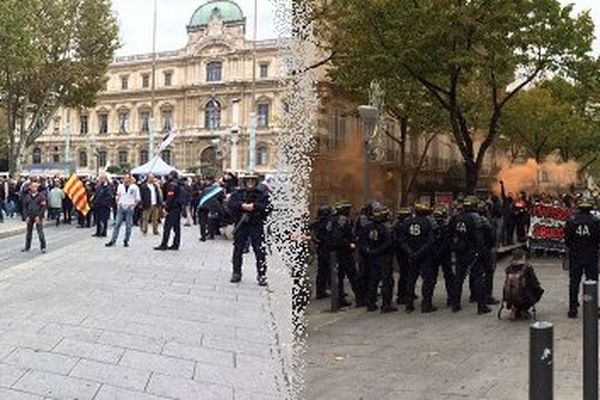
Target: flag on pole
76	191
167	140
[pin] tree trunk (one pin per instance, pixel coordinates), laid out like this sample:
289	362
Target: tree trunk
471	177
403	137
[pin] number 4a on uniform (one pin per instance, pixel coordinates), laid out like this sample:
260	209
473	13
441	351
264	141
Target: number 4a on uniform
583	230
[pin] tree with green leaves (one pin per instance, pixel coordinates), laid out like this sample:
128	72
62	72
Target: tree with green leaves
536	122
52	54
472	57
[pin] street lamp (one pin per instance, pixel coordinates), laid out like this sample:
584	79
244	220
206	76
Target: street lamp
369	115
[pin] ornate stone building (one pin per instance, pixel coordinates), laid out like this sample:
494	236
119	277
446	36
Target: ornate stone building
203	91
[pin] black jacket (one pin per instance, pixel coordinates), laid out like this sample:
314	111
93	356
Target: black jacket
173	198
258	197
145	194
104	196
582	234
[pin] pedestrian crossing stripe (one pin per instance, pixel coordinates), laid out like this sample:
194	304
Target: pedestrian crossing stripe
76	191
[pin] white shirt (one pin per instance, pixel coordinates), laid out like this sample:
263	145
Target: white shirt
127	199
152	194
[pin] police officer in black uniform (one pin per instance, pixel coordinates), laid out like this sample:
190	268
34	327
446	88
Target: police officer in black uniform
361	233
380	252
341	240
249	207
582	238
401	258
488	258
417	237
469	245
319	238
443	252
173	205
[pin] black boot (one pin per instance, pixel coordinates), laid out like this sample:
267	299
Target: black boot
410	307
572	312
235	278
427	308
483	310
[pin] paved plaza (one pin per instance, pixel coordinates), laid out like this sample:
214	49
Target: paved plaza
90	323
353	355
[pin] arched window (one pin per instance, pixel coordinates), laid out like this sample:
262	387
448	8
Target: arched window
143	157
123	157
102	158
262	115
208	156
103	122
123	120
212	115
83	161
145	121
262	155
167	119
37	155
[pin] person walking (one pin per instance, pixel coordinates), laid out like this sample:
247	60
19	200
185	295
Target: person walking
128	196
34	207
173	205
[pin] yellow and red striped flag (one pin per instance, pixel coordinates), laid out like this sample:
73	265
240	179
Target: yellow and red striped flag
76	191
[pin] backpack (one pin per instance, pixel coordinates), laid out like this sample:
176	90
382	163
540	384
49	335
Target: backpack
521	289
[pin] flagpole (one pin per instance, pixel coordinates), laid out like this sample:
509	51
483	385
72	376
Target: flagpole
153	103
253	122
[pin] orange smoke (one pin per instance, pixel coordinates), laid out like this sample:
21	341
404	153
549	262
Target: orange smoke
549	176
339	175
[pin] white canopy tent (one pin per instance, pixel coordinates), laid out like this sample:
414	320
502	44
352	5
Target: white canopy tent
157	166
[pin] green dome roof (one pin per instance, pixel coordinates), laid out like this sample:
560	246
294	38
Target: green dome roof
228	10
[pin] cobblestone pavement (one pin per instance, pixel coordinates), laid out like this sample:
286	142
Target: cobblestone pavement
440	356
56	238
11	227
87	322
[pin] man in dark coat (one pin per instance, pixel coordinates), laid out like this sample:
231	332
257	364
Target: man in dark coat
35	205
172	209
249	207
103	201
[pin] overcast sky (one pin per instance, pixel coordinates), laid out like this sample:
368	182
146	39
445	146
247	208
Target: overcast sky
136	17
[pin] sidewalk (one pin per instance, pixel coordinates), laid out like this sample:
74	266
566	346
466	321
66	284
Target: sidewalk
88	322
12	227
355	355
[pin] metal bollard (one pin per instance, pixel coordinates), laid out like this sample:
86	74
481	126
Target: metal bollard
541	355
590	340
335	294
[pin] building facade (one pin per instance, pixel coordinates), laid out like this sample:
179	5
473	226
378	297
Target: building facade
205	92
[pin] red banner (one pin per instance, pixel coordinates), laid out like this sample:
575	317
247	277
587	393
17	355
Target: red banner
547	226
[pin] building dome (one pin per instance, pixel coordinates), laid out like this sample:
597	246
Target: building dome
227	10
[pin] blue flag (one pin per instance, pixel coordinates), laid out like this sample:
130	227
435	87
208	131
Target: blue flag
216	190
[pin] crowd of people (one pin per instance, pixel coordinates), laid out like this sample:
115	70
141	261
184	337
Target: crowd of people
458	240
148	201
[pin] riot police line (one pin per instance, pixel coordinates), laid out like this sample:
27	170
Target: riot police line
429	243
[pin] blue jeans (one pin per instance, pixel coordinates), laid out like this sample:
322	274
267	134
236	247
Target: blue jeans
127	217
